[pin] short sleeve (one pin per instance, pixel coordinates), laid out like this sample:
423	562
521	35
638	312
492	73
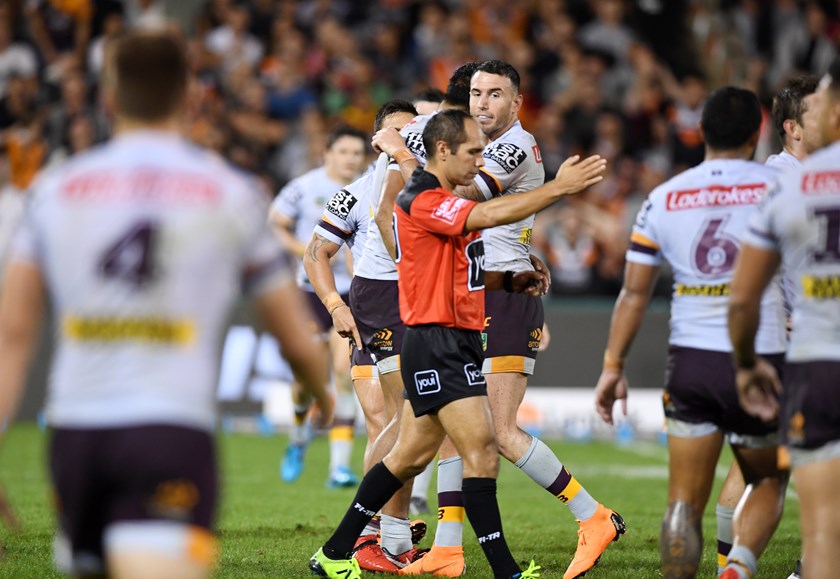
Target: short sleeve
644	242
335	223
760	226
441	212
288	200
504	163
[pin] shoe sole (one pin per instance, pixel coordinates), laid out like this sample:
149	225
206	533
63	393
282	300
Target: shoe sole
620	529
316	568
418	531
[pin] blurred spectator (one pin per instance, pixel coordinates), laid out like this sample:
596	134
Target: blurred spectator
568	249
607	32
146	14
16	58
113	22
61	31
231	42
805	47
74	103
427	101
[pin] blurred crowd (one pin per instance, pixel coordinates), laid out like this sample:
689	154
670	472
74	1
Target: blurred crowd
622	78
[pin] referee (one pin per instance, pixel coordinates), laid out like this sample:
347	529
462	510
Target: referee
440	259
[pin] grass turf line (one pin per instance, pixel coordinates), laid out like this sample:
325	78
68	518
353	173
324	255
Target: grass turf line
270	529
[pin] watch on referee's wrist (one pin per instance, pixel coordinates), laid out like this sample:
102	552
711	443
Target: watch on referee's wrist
507	282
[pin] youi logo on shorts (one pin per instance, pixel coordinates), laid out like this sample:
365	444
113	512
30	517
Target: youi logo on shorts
427	382
474	375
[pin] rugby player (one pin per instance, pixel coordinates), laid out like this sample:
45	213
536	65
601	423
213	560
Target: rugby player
695	221
294	214
798	226
142	245
795	119
437	244
345	220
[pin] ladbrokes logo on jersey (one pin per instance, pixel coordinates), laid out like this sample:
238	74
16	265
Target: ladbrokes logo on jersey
508	155
341	204
383	340
715	196
821	183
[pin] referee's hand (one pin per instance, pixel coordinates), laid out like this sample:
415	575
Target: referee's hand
532	283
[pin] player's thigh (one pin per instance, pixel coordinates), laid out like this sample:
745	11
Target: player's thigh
691	468
392	391
758	463
369	392
339	354
469	424
816	485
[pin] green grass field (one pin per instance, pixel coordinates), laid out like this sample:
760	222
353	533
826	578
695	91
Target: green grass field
269	529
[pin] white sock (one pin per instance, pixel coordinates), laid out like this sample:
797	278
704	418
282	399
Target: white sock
743	561
546	470
341	434
421	483
395	534
724	534
450	527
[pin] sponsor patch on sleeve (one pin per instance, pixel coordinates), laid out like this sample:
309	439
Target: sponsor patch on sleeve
448	209
414	142
508	155
341	204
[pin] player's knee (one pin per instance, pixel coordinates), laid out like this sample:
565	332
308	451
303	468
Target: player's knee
481	459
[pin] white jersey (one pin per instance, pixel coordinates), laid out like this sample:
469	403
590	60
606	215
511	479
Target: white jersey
783	161
801	220
346	217
512	164
695	221
376	262
144	244
302	201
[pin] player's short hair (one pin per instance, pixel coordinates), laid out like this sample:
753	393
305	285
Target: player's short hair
501	68
789	103
344	131
149	74
446	126
431	95
458	90
392	107
731	117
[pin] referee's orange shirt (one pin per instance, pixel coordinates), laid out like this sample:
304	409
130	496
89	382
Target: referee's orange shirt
440	266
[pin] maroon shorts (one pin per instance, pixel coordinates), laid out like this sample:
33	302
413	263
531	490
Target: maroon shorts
376	308
109	475
700	388
512	332
810	404
319	311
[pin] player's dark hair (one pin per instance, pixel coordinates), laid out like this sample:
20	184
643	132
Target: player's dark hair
446	126
344	131
789	103
149	74
501	68
431	95
458	91
731	117
392	107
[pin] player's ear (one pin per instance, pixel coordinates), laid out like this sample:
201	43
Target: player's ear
792	129
517	102
441	150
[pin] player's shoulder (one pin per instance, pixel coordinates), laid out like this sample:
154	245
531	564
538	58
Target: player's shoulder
416	125
514	148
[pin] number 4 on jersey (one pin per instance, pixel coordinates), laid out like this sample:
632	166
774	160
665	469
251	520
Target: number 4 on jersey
130	258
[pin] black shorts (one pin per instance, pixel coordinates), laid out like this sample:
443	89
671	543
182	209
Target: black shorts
512	333
110	475
440	365
376	308
810	404
319	311
700	388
